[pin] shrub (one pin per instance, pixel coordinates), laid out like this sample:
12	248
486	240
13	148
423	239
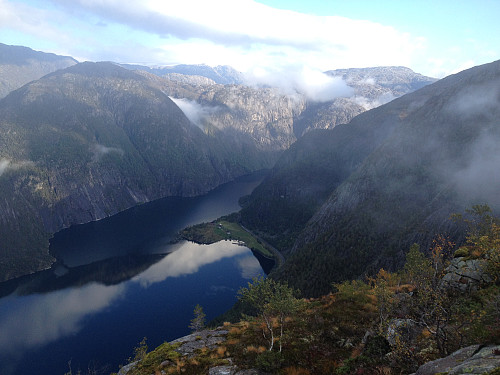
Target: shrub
269	361
461	252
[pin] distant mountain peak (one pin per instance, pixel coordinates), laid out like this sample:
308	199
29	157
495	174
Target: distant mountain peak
20	65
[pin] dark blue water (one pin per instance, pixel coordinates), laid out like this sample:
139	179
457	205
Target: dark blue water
119	280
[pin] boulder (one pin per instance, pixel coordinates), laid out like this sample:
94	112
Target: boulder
466	274
403	330
475	360
203	339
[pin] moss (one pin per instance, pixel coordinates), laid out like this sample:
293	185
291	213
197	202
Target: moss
154	359
461	252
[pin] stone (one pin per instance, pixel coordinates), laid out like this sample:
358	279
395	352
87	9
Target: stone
222	370
465	274
125	369
404	330
474	360
198	340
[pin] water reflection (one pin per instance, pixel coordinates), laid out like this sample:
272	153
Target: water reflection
249	267
35	320
66	302
189	257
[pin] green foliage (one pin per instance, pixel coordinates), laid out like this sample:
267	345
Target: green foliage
221	229
461	252
355	291
151	361
418	267
272	300
269	361
198	322
140	351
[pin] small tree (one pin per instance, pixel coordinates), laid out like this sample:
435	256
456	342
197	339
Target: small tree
198	322
140	351
431	306
272	300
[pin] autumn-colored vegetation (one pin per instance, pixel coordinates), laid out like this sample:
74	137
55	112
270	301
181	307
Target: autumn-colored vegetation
386	324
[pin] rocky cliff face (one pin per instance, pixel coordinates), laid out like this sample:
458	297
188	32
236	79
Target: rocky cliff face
84	143
376	86
274	120
89	141
20	65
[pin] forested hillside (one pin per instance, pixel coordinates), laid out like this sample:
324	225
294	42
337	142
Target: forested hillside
393	176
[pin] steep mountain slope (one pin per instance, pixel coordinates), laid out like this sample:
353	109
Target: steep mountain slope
274	120
371	87
86	142
378	85
404	168
20	65
221	74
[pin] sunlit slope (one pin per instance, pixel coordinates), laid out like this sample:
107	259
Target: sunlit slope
89	141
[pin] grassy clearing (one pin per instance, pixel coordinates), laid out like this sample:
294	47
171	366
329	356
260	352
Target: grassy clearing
219	230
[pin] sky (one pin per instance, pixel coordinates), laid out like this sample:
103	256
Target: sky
262	38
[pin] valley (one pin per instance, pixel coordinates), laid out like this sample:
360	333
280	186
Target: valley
361	194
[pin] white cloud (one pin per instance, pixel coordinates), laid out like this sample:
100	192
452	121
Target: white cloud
101	150
195	112
6	164
249	267
242	33
312	83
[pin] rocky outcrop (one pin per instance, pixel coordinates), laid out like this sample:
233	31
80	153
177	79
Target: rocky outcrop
475	360
189	346
379	85
466	274
221	74
203	339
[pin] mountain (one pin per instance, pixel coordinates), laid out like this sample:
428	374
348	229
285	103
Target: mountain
371	87
356	197
274	120
379	85
91	140
221	74
20	65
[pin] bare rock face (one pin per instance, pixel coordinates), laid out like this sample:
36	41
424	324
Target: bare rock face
473	359
466	274
273	119
89	141
376	86
203	339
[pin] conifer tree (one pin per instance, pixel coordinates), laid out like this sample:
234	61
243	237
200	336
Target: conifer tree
198	322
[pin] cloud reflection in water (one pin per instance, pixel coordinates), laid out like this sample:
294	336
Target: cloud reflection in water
31	321
188	259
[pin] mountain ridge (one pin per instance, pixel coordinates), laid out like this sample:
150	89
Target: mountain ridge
84	143
410	164
20	65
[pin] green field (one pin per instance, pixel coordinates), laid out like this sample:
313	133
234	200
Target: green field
219	230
